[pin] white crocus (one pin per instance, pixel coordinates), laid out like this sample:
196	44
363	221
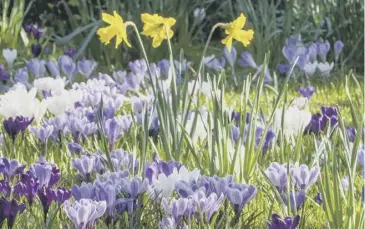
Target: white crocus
64	101
165	185
18	101
325	68
10	55
49	84
296	118
310	68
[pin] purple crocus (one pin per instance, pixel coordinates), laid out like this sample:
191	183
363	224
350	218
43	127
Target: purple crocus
27	186
278	223
214	63
205	205
246	60
361	156
14	126
10	168
9	209
36	50
71	52
5	187
86	67
318	198
37	67
37	32
351	133
231	56
338	47
46	195
306	91
239	195
28	28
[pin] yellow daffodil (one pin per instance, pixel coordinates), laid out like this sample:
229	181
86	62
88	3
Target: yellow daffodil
154	26
235	31
116	28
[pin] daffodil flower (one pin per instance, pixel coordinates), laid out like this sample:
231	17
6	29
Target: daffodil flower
116	28
234	31
154	26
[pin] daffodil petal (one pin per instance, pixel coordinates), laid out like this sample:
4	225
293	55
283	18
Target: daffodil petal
107	18
244	36
157	40
169	21
240	21
228	42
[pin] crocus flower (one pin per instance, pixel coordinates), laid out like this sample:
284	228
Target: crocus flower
37	67
28	28
36	50
208	205
75	148
21	75
37	32
231	56
361	156
85	191
27	186
323	47
318	198
14	126
5	187
85	212
52	67
84	165
116	28
303	176
42	133
157	27
246	60
338	46
9	55
71	52
296	199
325	68
278	176
214	63
134	187
278	223
199	14
67	66
86	67
234	30
283	68
239	195
9	209
306	91
10	168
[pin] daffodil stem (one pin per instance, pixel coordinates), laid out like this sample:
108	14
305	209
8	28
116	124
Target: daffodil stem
207	45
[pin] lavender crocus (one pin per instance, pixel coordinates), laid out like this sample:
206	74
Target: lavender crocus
67	66
9	209
231	56
75	148
27	186
53	68
5	187
21	75
205	205
214	63
42	133
351	133
338	47
85	191
323	47
306	91
246	60
10	168
278	223
37	67
113	131
278	176
84	213
86	67
303	176
296	199
84	165
239	195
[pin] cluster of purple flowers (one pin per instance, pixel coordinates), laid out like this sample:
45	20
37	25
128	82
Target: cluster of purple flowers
307	55
39	181
302	176
268	140
37	34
